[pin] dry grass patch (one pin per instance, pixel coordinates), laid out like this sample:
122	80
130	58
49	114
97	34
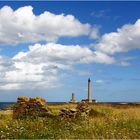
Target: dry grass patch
104	122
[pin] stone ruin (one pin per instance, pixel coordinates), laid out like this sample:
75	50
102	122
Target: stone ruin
82	109
37	107
29	107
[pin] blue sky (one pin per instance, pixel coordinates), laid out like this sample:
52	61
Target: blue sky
99	40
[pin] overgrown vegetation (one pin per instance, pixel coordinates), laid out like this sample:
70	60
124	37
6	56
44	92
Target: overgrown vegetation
103	122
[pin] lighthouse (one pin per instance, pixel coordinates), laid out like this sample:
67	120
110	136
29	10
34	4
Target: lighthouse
89	98
89	91
73	98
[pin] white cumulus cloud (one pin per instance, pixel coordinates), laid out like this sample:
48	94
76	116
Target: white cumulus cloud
22	25
62	54
40	67
126	38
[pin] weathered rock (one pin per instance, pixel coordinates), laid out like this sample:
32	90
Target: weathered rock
67	113
82	107
73	110
64	110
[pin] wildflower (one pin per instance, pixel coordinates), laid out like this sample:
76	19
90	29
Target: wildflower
6	126
21	128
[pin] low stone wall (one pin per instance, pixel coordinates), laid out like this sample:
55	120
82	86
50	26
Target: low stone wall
82	109
29	107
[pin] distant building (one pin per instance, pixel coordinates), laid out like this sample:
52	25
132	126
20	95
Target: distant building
73	99
89	99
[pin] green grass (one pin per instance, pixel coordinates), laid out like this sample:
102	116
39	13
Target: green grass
104	122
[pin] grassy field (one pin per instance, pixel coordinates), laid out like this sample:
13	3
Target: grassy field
104	122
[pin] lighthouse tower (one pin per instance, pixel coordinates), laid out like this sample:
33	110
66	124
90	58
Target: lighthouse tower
89	98
72	99
89	91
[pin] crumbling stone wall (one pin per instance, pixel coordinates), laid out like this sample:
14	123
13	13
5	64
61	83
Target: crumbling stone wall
82	109
29	107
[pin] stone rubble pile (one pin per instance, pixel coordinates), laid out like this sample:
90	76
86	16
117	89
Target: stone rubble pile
82	109
68	113
29	107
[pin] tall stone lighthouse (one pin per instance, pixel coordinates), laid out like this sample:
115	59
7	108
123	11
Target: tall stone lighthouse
89	98
89	91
